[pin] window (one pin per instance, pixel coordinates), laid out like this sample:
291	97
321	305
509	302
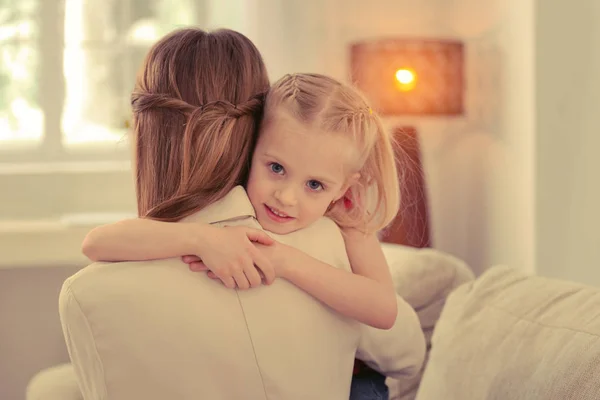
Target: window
68	68
66	75
67	71
20	113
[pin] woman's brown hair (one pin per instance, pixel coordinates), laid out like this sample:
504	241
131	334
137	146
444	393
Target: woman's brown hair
197	103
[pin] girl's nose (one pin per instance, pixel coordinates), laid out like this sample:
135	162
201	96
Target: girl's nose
286	196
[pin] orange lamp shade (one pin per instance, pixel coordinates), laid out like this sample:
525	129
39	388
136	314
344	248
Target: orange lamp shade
410	76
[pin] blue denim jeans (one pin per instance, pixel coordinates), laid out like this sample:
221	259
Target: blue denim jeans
369	385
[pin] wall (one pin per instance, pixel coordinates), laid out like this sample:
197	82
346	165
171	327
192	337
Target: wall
568	140
30	333
500	40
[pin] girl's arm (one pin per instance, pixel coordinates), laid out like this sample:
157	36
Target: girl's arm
228	252
366	295
142	239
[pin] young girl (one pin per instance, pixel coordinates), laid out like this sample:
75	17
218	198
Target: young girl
321	151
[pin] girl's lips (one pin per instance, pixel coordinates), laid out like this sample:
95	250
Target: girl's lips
275	217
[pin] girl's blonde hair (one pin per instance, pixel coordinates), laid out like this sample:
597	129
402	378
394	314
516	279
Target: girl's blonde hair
323	104
197	104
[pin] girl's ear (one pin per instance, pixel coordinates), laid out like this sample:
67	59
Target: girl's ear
345	193
349	183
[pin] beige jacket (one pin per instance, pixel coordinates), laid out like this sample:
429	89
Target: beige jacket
154	330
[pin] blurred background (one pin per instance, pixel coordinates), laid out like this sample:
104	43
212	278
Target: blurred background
510	178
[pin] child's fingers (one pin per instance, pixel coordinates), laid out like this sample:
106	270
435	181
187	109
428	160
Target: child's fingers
264	265
241	280
254	235
212	275
228	281
198	266
253	275
190	259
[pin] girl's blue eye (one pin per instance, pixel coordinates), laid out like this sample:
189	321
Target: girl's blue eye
277	168
314	185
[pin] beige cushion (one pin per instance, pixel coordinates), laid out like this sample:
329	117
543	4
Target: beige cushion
55	383
155	330
424	278
510	336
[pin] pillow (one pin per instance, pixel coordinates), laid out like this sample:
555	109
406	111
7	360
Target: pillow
155	330
512	336
424	278
54	383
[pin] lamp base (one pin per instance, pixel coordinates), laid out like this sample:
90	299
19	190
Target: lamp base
411	225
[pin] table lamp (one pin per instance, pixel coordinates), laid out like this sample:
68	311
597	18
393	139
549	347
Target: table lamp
410	77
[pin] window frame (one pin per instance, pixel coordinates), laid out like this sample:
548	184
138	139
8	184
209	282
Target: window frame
51	146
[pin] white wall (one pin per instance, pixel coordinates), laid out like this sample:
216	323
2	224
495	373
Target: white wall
30	333
568	140
480	166
500	40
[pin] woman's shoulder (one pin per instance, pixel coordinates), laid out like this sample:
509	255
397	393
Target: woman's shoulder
234	205
325	224
323	240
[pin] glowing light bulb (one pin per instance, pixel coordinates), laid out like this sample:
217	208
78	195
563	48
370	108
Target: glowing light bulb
405	76
406	79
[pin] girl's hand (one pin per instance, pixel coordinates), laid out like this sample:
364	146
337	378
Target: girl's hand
197	266
274	252
229	253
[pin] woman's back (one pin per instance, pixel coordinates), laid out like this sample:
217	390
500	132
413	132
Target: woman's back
155	330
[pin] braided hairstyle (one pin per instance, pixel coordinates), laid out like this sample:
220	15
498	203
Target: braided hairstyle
196	106
324	105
